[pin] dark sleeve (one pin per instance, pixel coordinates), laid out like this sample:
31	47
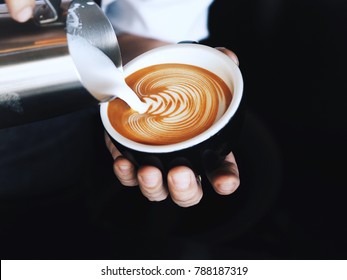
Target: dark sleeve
47	155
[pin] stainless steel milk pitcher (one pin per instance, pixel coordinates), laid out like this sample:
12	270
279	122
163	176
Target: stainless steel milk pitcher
38	76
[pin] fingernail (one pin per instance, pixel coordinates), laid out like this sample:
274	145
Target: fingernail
150	180
181	180
124	168
24	14
227	187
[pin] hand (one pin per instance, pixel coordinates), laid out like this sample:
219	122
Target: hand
182	185
20	10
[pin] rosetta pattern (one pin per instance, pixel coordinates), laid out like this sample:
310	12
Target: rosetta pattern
183	101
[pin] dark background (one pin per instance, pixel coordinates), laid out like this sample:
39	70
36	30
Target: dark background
291	202
293	57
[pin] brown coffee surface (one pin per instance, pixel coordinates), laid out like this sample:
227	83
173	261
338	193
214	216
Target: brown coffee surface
184	101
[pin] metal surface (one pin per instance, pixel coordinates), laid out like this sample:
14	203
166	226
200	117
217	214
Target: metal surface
38	77
93	26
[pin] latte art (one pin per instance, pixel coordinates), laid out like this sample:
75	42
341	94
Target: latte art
184	100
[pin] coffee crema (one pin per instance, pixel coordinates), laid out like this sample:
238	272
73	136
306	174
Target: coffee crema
184	100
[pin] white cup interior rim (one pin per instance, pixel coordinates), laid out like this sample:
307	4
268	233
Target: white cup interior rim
170	54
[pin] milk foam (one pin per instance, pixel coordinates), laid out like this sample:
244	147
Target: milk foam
184	101
100	76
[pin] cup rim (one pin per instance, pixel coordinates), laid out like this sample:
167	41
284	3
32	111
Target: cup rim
208	133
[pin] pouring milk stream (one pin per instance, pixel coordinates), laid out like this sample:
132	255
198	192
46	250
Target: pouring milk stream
99	75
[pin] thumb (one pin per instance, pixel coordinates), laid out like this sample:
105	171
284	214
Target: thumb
21	10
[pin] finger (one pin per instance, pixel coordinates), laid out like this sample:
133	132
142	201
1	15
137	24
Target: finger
21	10
151	183
229	53
225	179
111	147
125	171
184	188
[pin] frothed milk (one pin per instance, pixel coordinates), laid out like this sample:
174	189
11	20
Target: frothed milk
99	75
184	100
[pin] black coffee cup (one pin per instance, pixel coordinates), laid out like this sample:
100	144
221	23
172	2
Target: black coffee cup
203	151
